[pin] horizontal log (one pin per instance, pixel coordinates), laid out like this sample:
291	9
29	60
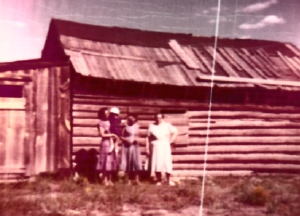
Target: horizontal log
259	157
246	132
238	148
245	140
195	114
85	98
143	110
85	122
200	150
238	166
85	131
85	114
199	173
86	140
104	100
90	118
243	114
92	121
93	131
77	148
181	140
95	107
229	123
183	149
291	150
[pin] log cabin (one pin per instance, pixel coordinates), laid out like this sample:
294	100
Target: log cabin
247	112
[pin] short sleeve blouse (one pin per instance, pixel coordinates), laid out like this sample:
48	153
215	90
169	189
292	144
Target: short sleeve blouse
162	131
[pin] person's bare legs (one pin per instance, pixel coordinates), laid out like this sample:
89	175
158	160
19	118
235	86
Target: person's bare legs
109	174
105	180
168	175
137	178
158	177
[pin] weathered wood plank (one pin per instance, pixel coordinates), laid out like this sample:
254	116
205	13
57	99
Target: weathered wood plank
14	146
4	119
41	121
32	115
12	103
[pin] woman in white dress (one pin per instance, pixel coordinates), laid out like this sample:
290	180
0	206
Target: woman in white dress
158	146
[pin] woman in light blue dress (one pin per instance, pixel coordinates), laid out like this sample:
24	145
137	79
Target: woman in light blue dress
131	156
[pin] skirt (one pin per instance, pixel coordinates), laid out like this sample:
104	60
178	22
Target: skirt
160	157
107	161
131	160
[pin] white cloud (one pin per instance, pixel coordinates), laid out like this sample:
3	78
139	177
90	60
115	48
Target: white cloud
257	6
267	21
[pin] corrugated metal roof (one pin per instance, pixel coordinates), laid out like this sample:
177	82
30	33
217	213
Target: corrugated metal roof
178	59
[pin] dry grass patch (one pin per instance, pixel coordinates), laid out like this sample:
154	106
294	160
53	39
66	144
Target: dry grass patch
251	195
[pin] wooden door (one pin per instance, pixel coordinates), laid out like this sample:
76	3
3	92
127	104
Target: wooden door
12	132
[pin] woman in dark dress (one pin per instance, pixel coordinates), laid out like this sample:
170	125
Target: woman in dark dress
131	156
107	158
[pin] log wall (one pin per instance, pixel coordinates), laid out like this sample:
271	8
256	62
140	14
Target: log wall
242	138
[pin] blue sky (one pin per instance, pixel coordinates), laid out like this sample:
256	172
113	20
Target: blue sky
24	23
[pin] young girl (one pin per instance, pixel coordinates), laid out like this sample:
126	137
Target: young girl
131	156
107	157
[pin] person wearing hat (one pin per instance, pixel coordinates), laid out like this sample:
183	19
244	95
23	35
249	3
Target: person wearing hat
116	128
115	121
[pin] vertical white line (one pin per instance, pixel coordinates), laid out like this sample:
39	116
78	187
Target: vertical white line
210	104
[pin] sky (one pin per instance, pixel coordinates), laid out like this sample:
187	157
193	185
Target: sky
24	23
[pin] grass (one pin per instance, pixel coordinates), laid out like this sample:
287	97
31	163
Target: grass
276	195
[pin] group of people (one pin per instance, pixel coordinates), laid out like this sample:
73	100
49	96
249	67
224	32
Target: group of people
115	132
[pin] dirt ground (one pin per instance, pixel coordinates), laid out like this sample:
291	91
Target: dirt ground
255	195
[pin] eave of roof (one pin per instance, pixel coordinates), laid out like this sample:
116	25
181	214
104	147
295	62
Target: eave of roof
144	56
31	64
